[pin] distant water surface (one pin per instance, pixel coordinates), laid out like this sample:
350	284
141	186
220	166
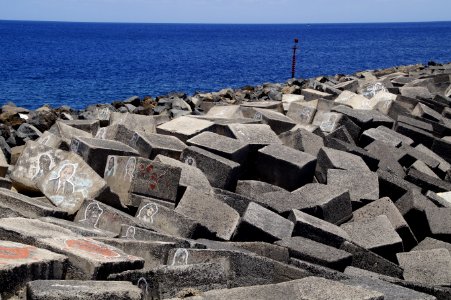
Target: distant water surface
84	63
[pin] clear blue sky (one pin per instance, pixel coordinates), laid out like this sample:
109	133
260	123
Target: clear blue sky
227	11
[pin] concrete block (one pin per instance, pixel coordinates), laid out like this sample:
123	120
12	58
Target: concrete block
184	128
303	112
135	122
427	182
254	188
439	223
318	253
221	172
226	147
90	126
316	229
310	94
288	99
277	121
35	162
95	151
260	224
302	140
328	202
429	266
78	228
88	290
431	244
141	234
70	183
284	166
443	148
383	240
216	216
23	263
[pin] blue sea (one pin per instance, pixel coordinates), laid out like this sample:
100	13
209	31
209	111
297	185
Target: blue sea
78	64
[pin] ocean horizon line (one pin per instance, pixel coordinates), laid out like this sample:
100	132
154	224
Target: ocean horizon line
225	23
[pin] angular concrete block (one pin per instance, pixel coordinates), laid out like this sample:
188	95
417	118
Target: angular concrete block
167	220
431	244
140	234
226	147
254	188
215	215
328	202
277	121
184	128
261	224
318	253
35	162
310	94
125	175
303	112
302	140
316	229
385	206
429	266
256	135
284	166
70	183
88	290
439	223
90	126
95	151
190	176
335	159
22	263
221	172
134	122
383	239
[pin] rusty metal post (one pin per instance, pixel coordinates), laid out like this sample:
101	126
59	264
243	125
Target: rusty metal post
293	63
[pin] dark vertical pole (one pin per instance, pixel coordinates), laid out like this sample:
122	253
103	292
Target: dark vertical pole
293	63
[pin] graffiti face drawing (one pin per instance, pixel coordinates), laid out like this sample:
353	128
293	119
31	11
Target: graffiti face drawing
45	162
101	133
130	168
134	139
190	161
62	185
130	233
110	169
147	212
93	213
180	257
144	286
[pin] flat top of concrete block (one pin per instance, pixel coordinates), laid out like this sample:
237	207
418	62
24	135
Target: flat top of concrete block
342	160
288	154
16	254
320	193
383	206
373	233
106	144
33	228
212	140
361	185
165	141
430	244
186	125
258	134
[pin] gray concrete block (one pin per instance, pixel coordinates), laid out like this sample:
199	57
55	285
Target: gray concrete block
184	128
284	166
439	223
302	140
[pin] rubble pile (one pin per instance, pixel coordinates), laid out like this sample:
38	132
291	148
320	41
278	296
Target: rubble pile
335	187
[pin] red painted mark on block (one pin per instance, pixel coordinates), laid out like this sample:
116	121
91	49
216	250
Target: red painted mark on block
91	247
15	252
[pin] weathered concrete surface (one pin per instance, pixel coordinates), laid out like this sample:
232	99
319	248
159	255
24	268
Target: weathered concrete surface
89	290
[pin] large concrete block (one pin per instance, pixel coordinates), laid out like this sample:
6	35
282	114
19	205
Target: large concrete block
67	133
141	234
443	148
134	122
363	186
261	224
28	207
328	202
90	126
35	162
221	172
87	290
302	140
204	208
428	266
383	240
427	182
177	280
70	183
22	263
126	175
318	253
329	158
96	151
288	99
303	112
431	244
90	259
277	121
167	220
184	128
439	223
310	94
256	135
285	167
254	188
385	206
314	288
78	228
316	229
190	176
226	147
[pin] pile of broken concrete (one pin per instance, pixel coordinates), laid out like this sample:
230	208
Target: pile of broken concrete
329	188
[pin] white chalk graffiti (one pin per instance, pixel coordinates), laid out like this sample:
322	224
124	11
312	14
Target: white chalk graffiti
130	168
144	286
147	212
180	257
134	139
305	113
258	116
130	233
93	212
41	165
63	184
101	133
110	169
328	125
103	114
373	89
